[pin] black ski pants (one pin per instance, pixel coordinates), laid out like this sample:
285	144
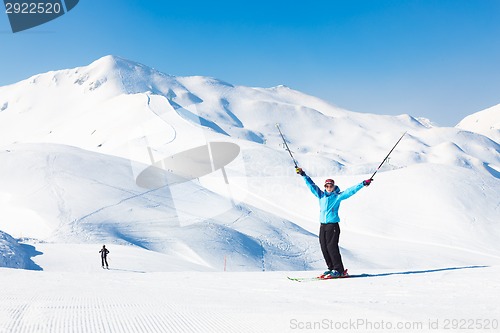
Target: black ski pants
329	234
104	260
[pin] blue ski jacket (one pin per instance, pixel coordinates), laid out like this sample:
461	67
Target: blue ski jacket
329	203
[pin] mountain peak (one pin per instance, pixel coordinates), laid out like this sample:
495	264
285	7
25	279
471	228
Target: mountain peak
130	77
110	63
107	62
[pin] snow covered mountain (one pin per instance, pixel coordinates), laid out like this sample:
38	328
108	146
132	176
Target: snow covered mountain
15	255
77	145
486	122
182	175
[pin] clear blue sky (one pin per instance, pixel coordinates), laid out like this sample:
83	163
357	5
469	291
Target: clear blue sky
438	59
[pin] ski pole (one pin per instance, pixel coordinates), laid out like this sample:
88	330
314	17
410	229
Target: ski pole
287	149
387	155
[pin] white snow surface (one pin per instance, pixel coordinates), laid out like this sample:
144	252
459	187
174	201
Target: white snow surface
486	122
212	252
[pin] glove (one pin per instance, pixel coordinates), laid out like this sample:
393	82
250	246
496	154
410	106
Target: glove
300	171
367	182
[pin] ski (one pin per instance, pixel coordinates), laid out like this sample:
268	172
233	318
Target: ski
304	279
318	278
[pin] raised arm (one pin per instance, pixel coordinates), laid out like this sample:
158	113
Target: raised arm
310	184
352	190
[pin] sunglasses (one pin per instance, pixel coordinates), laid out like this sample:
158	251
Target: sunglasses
328	185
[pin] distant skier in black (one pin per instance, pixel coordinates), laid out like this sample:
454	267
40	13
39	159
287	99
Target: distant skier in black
104	254
329	232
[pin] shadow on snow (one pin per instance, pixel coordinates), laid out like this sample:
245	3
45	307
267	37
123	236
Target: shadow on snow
416	272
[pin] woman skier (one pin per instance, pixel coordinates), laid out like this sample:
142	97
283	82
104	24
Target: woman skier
329	232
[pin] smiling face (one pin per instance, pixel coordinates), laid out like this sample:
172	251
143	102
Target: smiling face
329	185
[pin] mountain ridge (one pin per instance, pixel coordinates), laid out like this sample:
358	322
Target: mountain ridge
96	128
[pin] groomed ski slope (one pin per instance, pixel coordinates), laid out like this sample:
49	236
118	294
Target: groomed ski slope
73	294
212	254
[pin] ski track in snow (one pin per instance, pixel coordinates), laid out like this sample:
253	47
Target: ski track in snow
114	301
124	301
107	313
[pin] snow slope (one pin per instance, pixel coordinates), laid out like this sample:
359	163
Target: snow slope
124	117
120	154
69	195
16	255
130	301
131	116
486	122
